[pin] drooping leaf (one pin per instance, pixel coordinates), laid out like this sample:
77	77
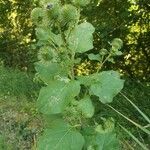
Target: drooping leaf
81	39
63	138
86	107
107	86
55	97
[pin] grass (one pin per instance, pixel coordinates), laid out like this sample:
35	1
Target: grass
20	122
16	83
132	106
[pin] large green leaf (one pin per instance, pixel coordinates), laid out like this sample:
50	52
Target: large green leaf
81	39
86	107
55	97
47	71
63	138
107	86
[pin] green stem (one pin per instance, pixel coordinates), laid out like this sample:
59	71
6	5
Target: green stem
134	123
102	64
142	114
134	138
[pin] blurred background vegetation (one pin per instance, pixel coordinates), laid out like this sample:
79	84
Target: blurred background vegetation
125	19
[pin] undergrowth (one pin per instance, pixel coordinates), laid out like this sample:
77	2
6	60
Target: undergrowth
16	83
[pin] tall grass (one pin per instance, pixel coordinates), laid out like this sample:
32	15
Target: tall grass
16	83
138	93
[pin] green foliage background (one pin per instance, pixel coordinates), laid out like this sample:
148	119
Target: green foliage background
16	33
126	19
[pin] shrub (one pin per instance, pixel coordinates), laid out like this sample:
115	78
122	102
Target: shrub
66	98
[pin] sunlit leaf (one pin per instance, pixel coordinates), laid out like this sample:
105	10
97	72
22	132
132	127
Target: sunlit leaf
55	97
107	86
81	39
47	71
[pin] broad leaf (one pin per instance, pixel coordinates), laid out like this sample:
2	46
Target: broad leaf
63	138
55	97
81	39
86	107
107	86
47	71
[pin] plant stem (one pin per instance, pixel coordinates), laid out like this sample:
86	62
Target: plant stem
136	107
134	138
134	123
102	64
